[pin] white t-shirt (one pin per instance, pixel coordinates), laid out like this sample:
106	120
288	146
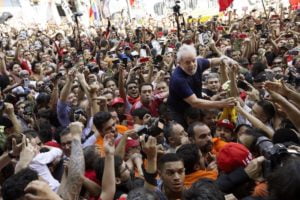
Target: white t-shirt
39	164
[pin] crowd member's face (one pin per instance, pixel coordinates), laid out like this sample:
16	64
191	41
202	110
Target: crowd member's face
120	108
188	64
262	42
109	97
72	99
254	59
291	43
111	85
277	71
172	175
132	90
124	172
109	128
277	62
236	55
162	87
282	43
16	69
224	133
66	144
246	140
37	68
27	55
202	138
259	113
114	116
179	135
213	84
146	94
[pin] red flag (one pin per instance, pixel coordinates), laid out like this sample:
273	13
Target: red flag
131	2
224	4
295	4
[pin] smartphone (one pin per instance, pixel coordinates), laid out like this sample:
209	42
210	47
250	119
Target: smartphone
293	52
243	85
143	53
144	59
26	83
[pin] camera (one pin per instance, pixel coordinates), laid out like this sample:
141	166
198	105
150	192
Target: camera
93	68
274	154
77	114
153	128
176	8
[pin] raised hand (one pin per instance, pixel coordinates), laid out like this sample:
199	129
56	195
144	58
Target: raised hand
149	147
109	144
76	130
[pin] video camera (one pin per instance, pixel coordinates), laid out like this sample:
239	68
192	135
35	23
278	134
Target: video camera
176	8
154	127
274	154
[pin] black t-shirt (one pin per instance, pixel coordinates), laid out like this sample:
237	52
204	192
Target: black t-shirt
183	85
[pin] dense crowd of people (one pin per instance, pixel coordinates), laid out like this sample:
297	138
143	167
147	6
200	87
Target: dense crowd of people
187	110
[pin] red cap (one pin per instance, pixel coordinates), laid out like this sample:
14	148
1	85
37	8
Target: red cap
225	123
52	144
117	100
232	156
129	143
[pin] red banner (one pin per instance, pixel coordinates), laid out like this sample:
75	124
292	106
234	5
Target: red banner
224	4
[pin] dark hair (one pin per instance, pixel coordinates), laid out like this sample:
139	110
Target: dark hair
142	194
283	135
140	112
191	128
43	99
100	118
193	113
168	157
168	130
204	189
90	155
107	80
64	132
267	107
131	82
258	68
45	132
99	167
145	84
190	155
281	185
237	129
30	133
13	187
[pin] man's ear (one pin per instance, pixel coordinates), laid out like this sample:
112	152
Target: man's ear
197	167
118	181
171	140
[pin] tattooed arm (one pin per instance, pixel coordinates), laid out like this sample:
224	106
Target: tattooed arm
71	184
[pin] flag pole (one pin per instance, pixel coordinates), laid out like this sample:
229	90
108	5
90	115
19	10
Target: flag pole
263	4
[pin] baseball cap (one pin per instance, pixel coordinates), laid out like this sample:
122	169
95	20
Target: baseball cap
117	100
233	156
225	123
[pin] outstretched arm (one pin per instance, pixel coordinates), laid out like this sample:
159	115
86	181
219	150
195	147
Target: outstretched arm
71	186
